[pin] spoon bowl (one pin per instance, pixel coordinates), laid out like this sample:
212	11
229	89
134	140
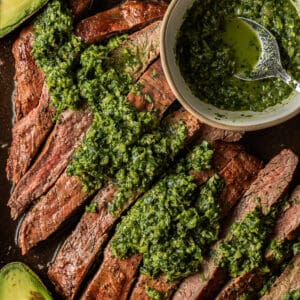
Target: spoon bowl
269	64
207	113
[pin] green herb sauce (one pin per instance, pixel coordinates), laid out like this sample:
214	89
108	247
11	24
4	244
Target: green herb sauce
172	224
243	249
56	51
154	294
208	58
293	295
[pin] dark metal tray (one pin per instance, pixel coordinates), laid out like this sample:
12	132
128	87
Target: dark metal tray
264	144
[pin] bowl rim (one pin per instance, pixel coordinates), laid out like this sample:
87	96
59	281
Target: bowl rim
185	103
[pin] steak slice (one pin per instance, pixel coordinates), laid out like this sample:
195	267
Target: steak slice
270	185
81	248
285	228
288	281
29	79
114	279
57	153
125	17
27	136
48	214
288	224
238	174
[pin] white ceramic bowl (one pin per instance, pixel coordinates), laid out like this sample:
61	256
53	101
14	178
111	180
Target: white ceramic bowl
246	120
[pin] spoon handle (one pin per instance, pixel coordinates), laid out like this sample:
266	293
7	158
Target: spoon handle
289	80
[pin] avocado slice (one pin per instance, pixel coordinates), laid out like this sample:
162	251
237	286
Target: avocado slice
17	281
14	12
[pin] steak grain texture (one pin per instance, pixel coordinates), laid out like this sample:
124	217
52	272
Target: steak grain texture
114	279
27	136
288	224
125	17
285	228
80	249
270	185
29	79
288	281
57	153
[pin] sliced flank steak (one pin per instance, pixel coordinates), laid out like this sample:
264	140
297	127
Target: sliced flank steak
285	229
288	225
128	16
48	214
270	186
238	174
29	78
83	245
27	136
287	282
109	284
147	41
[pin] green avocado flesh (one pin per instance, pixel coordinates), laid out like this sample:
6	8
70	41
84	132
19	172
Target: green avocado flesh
17	281
14	12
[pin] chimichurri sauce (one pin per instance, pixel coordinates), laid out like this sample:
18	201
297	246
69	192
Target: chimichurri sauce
211	48
244	42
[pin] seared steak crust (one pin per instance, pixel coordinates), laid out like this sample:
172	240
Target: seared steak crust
29	78
114	279
270	185
128	16
27	136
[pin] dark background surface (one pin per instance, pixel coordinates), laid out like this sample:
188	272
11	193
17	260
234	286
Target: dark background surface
264	144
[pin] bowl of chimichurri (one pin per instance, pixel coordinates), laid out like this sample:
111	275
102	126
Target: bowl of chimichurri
203	44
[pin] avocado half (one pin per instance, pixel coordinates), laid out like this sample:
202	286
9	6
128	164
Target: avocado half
14	12
17	281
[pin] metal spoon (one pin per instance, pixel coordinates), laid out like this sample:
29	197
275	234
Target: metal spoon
269	64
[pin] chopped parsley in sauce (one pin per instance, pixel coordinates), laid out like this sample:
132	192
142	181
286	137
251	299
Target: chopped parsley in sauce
208	62
172	224
243	250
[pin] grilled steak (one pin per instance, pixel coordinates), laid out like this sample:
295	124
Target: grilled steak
38	224
52	161
115	278
27	136
285	228
288	223
86	240
270	185
147	42
29	78
240	170
288	281
128	16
